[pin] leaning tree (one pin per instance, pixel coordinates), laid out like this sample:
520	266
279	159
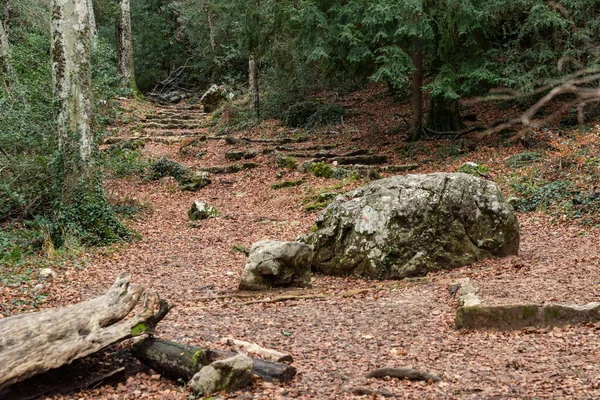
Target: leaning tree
81	206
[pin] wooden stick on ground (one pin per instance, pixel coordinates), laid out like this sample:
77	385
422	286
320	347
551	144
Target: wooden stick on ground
34	343
403	373
286	298
253	348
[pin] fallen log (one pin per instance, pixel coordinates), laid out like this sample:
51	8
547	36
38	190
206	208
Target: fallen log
177	360
34	343
254	348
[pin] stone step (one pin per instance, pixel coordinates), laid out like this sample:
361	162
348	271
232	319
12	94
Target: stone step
167	132
178	116
148	139
171	125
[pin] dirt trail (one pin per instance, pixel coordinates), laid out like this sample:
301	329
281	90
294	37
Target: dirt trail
335	341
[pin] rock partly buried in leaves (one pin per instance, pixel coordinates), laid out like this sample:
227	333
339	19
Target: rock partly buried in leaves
229	374
519	316
277	264
201	210
410	225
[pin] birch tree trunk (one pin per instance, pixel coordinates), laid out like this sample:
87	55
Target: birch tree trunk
253	83
125	46
82	207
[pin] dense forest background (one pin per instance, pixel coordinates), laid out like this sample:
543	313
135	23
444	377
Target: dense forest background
435	53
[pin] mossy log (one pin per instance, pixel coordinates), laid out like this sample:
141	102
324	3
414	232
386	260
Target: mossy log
177	360
34	343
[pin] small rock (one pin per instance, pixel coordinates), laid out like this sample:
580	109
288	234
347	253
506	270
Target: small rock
469	300
229	374
201	210
277	264
47	273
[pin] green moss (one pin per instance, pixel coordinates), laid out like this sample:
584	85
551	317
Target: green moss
314	228
321	170
529	312
286	184
200	358
139	329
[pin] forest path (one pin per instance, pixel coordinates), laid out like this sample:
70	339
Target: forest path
337	339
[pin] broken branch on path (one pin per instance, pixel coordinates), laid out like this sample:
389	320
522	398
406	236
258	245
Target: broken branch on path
286	298
34	343
268	354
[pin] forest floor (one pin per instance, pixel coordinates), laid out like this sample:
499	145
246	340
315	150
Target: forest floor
335	340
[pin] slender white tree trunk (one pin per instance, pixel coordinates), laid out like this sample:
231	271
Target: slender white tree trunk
253	83
211	25
81	208
71	75
125	45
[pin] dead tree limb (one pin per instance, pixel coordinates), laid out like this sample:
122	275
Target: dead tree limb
403	373
178	360
34	343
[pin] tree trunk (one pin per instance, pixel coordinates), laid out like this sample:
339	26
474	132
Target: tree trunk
5	66
125	46
417	97
444	115
34	343
253	83
82	209
93	27
178	360
211	25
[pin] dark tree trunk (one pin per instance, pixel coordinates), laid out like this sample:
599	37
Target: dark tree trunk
178	360
444	115
417	97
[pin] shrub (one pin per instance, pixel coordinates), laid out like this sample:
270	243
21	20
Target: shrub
308	114
522	159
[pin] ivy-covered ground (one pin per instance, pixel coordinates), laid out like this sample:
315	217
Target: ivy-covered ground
358	325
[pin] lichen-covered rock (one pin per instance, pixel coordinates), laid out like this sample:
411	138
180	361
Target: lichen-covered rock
211	99
229	374
277	264
201	210
413	224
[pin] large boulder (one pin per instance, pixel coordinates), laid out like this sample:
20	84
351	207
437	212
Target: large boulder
412	224
277	264
229	374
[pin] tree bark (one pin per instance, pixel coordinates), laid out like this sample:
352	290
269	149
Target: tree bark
82	208
5	65
417	97
125	46
178	360
253	83
34	343
93	27
444	115
71	73
211	25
